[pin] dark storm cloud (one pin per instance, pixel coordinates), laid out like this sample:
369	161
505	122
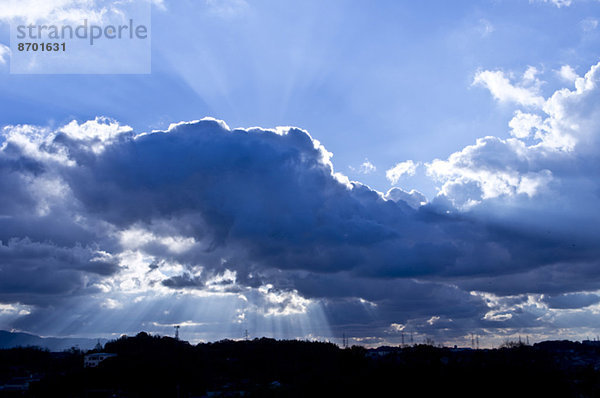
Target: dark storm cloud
379	302
272	199
46	253
182	281
553	279
272	196
572	300
40	273
268	205
13	182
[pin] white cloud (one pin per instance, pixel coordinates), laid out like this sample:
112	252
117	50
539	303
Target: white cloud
407	168
567	73
137	238
97	132
526	93
491	168
414	198
367	167
34	10
65	10
4	54
529	76
281	302
522	124
29	139
557	3
542	145
17	309
397	327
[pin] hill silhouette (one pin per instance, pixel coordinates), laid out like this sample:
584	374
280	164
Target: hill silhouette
154	366
18	339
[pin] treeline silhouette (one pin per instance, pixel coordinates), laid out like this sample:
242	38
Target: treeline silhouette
154	366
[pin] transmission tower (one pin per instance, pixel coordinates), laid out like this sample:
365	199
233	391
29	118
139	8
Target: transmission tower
176	332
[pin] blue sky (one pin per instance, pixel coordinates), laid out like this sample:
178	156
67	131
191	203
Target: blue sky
464	95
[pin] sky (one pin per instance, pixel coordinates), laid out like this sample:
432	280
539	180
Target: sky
308	169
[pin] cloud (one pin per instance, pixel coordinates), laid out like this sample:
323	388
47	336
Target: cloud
204	210
257	226
491	168
547	161
95	134
523	125
41	273
572	300
367	167
545	147
568	73
413	198
4	54
261	214
524	93
557	3
406	168
34	10
66	10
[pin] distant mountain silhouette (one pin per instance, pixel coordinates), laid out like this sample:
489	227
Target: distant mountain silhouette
11	340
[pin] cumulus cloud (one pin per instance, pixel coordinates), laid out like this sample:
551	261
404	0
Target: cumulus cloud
491	168
568	73
406	168
207	210
257	223
526	92
524	124
543	169
544	147
413	198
